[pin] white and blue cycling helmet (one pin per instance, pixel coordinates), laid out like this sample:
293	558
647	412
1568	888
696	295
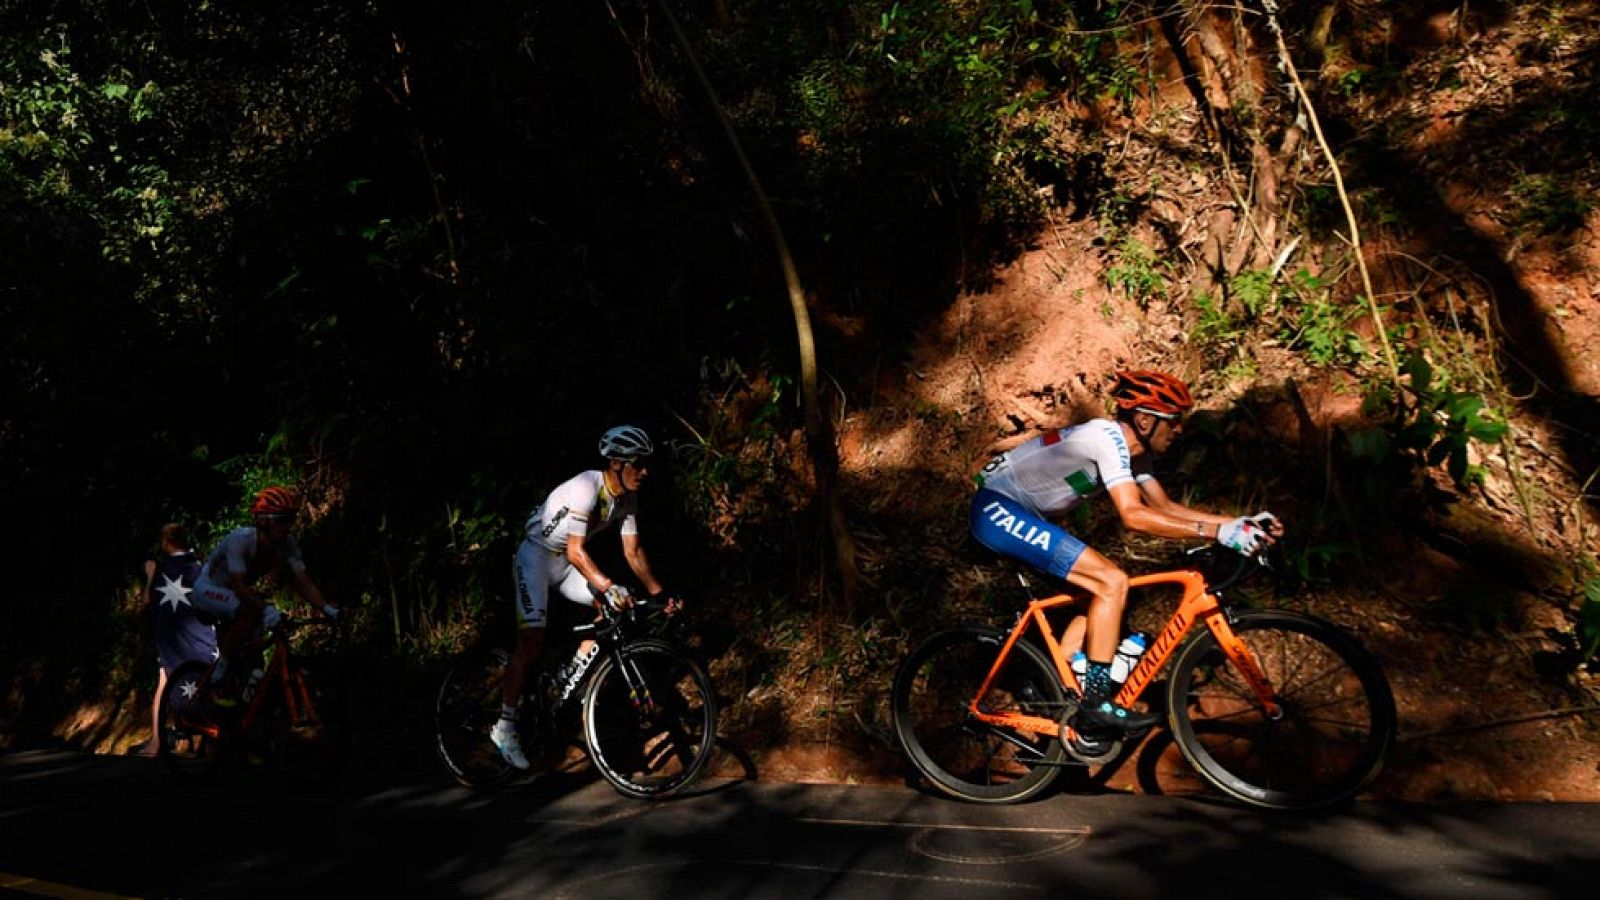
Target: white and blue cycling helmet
627	443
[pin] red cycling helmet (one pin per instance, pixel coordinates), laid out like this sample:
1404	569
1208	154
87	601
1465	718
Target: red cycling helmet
1153	392
276	501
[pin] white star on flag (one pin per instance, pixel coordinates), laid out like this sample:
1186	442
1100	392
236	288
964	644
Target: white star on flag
189	688
174	593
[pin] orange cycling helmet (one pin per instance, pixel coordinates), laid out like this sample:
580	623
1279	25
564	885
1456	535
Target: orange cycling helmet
1152	392
276	501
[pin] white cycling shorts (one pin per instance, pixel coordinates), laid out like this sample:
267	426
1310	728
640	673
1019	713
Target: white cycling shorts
534	570
215	599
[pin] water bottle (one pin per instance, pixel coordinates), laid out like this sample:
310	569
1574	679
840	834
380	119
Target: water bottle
1128	653
1079	663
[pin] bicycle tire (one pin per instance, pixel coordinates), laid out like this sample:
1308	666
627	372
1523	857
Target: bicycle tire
1337	725
465	707
189	737
966	759
309	746
650	753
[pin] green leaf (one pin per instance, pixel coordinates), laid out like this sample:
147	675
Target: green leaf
1589	619
113	91
1462	406
1421	373
1487	432
1417	435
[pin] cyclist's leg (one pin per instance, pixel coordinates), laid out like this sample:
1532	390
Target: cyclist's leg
1109	586
530	573
531	570
233	626
575	587
1012	529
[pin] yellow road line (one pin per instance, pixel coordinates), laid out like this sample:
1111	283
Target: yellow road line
44	888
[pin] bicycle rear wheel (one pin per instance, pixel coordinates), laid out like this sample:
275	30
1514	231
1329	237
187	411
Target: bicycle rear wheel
189	725
306	728
465	708
650	723
966	758
1336	724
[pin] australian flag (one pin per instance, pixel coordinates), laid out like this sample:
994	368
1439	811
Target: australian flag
183	633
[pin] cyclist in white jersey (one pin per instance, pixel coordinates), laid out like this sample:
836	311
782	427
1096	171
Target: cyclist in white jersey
552	554
1020	491
226	587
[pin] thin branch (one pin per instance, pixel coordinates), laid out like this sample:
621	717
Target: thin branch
1286	64
1510	720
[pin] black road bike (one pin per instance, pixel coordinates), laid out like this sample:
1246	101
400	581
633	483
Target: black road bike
648	711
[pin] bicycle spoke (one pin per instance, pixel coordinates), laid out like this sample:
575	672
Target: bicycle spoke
655	750
968	758
1332	729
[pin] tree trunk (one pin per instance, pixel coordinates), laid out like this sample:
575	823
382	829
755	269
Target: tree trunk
819	435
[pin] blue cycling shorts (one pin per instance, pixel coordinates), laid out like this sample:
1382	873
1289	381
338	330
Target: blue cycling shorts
1010	529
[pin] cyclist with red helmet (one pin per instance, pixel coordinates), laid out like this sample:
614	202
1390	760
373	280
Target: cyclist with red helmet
1022	490
552	554
226	587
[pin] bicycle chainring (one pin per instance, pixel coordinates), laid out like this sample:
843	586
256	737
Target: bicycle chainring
1091	750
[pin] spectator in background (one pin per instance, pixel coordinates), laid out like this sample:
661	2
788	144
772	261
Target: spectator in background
182	632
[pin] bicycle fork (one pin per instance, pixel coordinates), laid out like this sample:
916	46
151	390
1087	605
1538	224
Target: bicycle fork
1244	661
638	690
297	699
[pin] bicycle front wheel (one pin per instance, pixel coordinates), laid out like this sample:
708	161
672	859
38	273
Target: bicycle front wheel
1333	728
189	725
306	728
465	708
966	758
650	719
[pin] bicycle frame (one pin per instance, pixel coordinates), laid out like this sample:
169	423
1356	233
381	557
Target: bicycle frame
1198	604
296	697
611	634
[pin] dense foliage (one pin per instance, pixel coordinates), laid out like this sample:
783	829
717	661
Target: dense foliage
415	257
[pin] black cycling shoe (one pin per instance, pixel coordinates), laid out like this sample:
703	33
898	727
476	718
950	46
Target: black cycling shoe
1107	717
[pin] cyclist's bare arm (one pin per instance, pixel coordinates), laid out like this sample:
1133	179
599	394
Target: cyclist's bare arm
1171	520
246	594
1155	496
308	591
633	551
584	563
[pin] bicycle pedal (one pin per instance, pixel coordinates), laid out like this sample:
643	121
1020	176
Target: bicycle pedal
1089	749
208	729
1093	751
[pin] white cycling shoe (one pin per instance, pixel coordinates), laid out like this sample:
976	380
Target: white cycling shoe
504	736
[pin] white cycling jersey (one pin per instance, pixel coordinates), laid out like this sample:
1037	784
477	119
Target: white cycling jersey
240	553
1052	472
581	506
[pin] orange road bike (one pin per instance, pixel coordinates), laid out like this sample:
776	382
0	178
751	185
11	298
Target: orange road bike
1273	708
293	718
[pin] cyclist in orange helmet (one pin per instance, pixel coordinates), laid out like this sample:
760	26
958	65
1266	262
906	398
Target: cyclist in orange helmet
1022	490
226	587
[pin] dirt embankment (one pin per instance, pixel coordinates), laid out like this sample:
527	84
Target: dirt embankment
1469	601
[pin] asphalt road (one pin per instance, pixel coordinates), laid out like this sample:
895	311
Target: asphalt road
77	825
